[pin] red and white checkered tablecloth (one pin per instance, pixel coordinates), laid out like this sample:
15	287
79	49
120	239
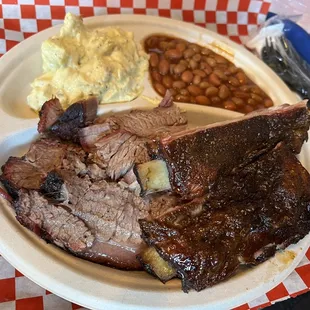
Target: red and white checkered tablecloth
20	19
19	293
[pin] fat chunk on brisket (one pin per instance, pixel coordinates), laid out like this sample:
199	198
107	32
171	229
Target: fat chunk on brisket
108	211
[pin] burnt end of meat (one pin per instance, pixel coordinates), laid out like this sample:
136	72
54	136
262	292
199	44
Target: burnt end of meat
207	240
77	116
49	114
51	188
196	158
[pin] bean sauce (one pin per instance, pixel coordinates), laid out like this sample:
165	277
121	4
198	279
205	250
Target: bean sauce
196	74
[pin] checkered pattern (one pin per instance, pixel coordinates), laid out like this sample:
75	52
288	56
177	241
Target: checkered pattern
19	293
20	19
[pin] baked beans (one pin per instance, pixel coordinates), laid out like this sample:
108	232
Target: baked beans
195	74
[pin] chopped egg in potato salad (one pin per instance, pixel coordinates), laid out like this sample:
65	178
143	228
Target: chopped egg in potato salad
82	62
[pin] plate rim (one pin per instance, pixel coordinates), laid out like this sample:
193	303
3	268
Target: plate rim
93	20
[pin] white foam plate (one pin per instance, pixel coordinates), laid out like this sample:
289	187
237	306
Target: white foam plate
100	287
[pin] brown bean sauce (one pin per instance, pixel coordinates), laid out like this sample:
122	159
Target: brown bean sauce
196	74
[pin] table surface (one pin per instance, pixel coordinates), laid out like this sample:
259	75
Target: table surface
234	18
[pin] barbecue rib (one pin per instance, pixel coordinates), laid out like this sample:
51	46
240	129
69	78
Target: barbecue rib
251	214
196	158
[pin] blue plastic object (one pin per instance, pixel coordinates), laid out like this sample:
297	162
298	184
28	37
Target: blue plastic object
299	38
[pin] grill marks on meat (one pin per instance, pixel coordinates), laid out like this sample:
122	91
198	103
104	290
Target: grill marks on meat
78	115
250	215
53	223
49	114
196	158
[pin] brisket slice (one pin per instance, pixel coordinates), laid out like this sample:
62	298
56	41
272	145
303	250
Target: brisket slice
49	114
53	223
119	142
36	169
46	153
109	212
77	116
198	157
262	208
149	123
30	171
119	151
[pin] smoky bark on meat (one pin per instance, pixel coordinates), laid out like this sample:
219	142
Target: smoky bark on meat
249	215
77	116
197	157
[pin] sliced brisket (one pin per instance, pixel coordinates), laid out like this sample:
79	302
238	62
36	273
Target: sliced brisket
197	157
37	168
46	153
109	212
22	174
119	141
53	223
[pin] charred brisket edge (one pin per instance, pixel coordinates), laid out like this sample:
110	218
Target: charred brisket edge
9	187
51	186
